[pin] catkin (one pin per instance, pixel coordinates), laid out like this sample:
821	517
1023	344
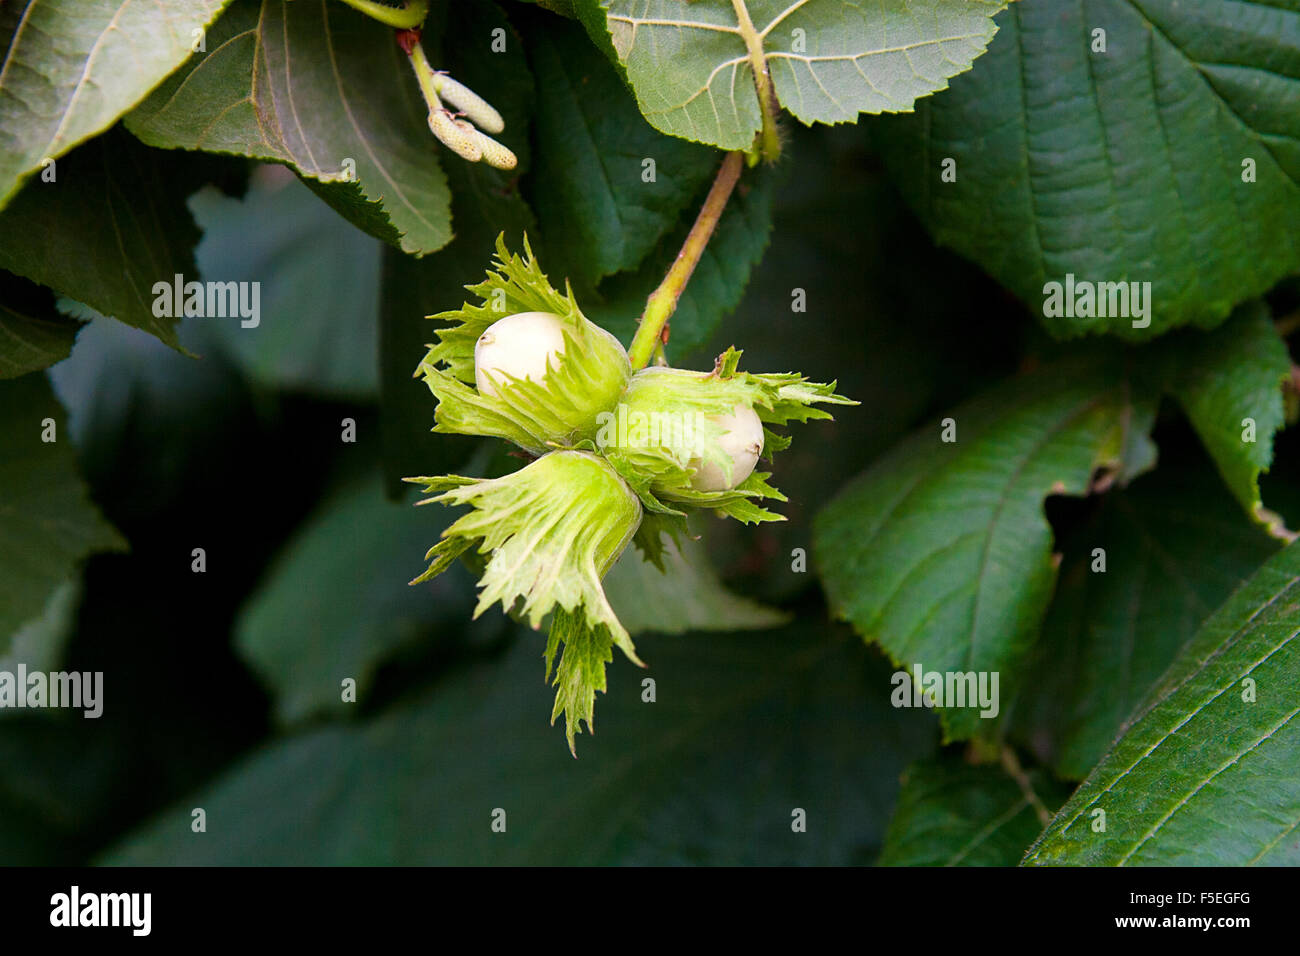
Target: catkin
476	109
457	136
494	153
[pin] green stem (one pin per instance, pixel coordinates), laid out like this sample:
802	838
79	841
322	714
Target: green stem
652	333
769	140
407	17
424	75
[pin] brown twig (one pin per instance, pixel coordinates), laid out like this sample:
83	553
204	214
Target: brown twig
652	333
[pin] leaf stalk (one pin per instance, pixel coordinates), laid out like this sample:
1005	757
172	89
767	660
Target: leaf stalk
768	145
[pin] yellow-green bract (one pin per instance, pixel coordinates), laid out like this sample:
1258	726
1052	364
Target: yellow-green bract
560	412
615	448
670	430
553	529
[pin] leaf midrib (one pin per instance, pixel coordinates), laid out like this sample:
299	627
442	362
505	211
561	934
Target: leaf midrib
1227	107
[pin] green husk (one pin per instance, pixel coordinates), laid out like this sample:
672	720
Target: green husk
660	470
539	417
552	530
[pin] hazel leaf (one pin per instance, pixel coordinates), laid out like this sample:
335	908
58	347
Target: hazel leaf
692	66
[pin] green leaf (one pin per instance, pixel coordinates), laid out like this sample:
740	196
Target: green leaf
39	644
33	335
941	552
411	289
852	285
719	280
829	60
147	420
325	90
1229	382
72	67
685	596
314	621
47	522
318	288
1175	545
563	7
743	730
951	813
599	213
592	17
55	782
112	225
1205	771
1119	166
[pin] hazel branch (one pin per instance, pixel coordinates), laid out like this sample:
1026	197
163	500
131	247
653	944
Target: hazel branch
652	333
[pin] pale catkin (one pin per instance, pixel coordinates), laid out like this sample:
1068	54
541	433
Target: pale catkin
457	136
476	109
494	153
